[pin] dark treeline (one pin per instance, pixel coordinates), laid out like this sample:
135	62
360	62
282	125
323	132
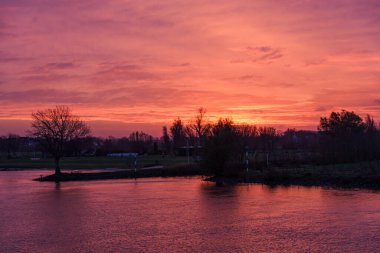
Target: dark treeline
346	137
224	147
137	142
14	146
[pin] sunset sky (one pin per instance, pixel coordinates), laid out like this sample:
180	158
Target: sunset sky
137	65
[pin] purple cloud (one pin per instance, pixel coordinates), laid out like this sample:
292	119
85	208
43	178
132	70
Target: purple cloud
60	65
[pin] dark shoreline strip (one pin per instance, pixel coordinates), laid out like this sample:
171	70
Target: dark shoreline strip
359	183
372	183
159	172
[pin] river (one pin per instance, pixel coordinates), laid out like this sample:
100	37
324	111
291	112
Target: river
182	215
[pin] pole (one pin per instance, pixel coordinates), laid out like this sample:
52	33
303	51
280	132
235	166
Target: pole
135	166
246	160
188	151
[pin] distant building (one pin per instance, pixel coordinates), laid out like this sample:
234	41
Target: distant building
123	154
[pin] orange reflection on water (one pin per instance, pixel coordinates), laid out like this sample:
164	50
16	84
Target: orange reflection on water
183	214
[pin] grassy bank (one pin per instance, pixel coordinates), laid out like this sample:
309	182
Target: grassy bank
172	171
92	162
353	175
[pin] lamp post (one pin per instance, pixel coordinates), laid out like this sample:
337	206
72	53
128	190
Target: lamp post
246	159
188	151
135	165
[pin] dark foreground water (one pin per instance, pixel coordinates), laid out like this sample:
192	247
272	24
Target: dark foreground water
182	215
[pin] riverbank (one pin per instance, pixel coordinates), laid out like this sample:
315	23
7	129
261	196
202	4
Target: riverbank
155	171
355	175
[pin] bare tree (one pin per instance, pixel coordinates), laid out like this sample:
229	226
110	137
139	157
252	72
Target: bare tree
199	126
55	128
140	142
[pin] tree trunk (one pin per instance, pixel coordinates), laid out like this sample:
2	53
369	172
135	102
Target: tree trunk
57	169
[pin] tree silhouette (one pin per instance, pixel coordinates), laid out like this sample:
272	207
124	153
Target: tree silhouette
166	139
268	137
342	136
199	128
12	144
177	131
371	138
55	128
140	142
224	149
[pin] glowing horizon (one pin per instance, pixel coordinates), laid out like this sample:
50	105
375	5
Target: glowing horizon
127	65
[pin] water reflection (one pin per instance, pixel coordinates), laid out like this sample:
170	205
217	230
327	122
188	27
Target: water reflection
212	190
165	215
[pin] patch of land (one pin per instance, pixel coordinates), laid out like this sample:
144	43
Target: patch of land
155	171
353	175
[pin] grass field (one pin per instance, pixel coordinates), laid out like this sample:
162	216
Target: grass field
93	162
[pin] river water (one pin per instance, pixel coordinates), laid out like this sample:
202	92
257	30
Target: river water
182	215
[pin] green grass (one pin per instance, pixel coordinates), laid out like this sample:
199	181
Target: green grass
93	162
